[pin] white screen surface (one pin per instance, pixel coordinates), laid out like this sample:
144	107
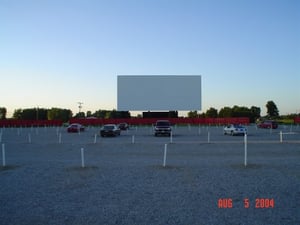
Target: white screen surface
155	92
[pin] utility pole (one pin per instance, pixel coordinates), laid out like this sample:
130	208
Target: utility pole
80	106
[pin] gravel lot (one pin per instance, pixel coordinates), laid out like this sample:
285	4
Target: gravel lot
125	183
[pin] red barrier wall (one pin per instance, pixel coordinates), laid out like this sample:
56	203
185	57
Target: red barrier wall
29	123
148	121
131	121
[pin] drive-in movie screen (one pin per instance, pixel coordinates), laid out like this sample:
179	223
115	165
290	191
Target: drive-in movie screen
138	112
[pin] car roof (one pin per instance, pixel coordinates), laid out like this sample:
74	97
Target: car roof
237	125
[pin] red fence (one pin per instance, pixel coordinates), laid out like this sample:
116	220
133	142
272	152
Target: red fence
29	123
131	121
148	121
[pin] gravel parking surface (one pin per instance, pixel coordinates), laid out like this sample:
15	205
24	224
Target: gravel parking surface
123	182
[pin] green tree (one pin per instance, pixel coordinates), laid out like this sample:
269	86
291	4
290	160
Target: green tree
124	114
100	113
29	114
192	114
111	114
107	114
225	112
89	114
41	113
59	114
17	114
272	110
3	112
241	111
202	115
211	113
80	115
255	113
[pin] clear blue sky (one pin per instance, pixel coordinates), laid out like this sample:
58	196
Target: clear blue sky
54	53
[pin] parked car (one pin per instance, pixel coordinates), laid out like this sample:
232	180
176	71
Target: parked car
75	128
123	126
162	127
110	130
234	129
268	124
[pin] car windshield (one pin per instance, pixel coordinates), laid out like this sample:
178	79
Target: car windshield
238	126
163	123
270	122
109	127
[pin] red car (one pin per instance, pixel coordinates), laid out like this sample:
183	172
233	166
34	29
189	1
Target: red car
75	128
269	124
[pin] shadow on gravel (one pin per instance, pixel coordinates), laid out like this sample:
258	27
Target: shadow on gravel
243	167
167	167
81	172
9	167
81	169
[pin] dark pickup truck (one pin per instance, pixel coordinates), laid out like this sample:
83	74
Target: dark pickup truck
162	127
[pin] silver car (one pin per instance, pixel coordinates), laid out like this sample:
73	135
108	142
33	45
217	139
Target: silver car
234	129
110	130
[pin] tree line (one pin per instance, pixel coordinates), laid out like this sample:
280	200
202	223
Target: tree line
43	114
65	115
252	113
60	114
